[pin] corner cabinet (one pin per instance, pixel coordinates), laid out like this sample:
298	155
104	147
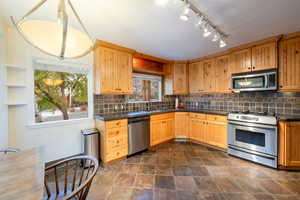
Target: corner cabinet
289	66
176	79
161	128
289	148
112	71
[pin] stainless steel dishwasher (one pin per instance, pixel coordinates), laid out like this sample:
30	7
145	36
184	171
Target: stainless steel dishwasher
138	134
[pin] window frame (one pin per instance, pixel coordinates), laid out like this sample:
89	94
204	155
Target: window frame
59	66
151	78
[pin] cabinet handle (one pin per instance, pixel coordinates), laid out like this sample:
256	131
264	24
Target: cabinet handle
249	68
117	132
118	141
118	153
118	89
164	122
281	86
253	67
118	123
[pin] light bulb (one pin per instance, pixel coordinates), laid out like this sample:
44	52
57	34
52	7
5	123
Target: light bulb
200	21
215	38
206	32
162	2
185	13
222	43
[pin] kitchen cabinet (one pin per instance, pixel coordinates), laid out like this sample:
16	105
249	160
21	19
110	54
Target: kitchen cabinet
241	61
209	75
161	128
289	148
176	79
196	78
209	129
223	74
289	67
112	71
181	125
256	58
113	139
264	56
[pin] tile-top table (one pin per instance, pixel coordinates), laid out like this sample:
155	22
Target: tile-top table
22	175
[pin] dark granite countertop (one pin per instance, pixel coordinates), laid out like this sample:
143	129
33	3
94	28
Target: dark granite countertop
108	117
290	118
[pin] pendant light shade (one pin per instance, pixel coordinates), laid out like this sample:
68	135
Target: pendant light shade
55	38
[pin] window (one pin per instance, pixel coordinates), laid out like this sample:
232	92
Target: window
146	88
60	95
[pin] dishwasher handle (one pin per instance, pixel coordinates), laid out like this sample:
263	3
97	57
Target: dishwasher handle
138	119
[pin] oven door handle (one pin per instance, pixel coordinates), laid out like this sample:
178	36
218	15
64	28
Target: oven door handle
247	124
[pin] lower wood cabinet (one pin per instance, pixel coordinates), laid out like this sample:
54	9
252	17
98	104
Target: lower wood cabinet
289	148
113	139
181	125
161	128
209	129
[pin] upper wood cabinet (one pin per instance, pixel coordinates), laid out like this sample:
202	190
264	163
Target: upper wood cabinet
196	77
223	74
112	71
176	79
241	61
289	148
289	66
256	58
264	56
209	75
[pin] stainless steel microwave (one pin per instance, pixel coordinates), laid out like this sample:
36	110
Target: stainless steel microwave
254	81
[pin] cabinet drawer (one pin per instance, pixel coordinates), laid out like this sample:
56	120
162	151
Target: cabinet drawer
117	142
116	123
162	116
118	153
198	116
115	132
218	118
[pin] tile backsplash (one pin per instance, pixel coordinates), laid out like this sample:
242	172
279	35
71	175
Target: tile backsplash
274	102
109	104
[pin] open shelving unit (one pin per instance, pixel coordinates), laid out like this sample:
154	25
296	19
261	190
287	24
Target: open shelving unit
15	85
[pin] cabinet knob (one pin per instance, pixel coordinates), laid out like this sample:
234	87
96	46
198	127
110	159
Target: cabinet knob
281	86
253	67
249	68
117	132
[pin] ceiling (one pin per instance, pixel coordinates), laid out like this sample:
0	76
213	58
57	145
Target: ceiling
157	30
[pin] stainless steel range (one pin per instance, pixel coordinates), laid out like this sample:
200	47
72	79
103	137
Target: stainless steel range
253	136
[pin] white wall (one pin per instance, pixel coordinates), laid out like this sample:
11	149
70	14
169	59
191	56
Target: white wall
59	141
3	108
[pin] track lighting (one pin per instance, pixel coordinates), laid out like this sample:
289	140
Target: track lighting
216	37
206	31
200	21
185	13
222	43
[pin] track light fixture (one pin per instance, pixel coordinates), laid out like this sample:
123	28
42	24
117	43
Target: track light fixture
203	23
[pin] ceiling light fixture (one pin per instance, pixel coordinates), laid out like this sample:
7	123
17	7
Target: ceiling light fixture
58	38
162	2
185	13
203	23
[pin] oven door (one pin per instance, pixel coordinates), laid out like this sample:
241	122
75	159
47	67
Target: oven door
255	137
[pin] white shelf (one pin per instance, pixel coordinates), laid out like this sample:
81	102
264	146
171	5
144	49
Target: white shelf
9	85
16	67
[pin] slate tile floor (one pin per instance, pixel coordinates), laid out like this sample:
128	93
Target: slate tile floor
187	171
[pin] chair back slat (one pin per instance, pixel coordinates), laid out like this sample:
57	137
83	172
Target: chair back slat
74	178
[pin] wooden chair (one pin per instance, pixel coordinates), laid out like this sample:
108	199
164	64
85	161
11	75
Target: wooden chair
9	150
70	178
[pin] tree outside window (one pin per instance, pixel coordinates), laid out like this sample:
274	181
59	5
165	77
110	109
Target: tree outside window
60	96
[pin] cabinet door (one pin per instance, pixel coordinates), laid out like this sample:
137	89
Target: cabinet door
155	132
197	130
196	78
217	134
181	125
194	128
289	67
209	76
241	61
169	127
180	85
223	76
124	73
289	140
107	71
264	57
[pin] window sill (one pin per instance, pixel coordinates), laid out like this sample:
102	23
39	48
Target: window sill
57	123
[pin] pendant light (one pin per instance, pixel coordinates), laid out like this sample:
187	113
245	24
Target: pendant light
55	38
